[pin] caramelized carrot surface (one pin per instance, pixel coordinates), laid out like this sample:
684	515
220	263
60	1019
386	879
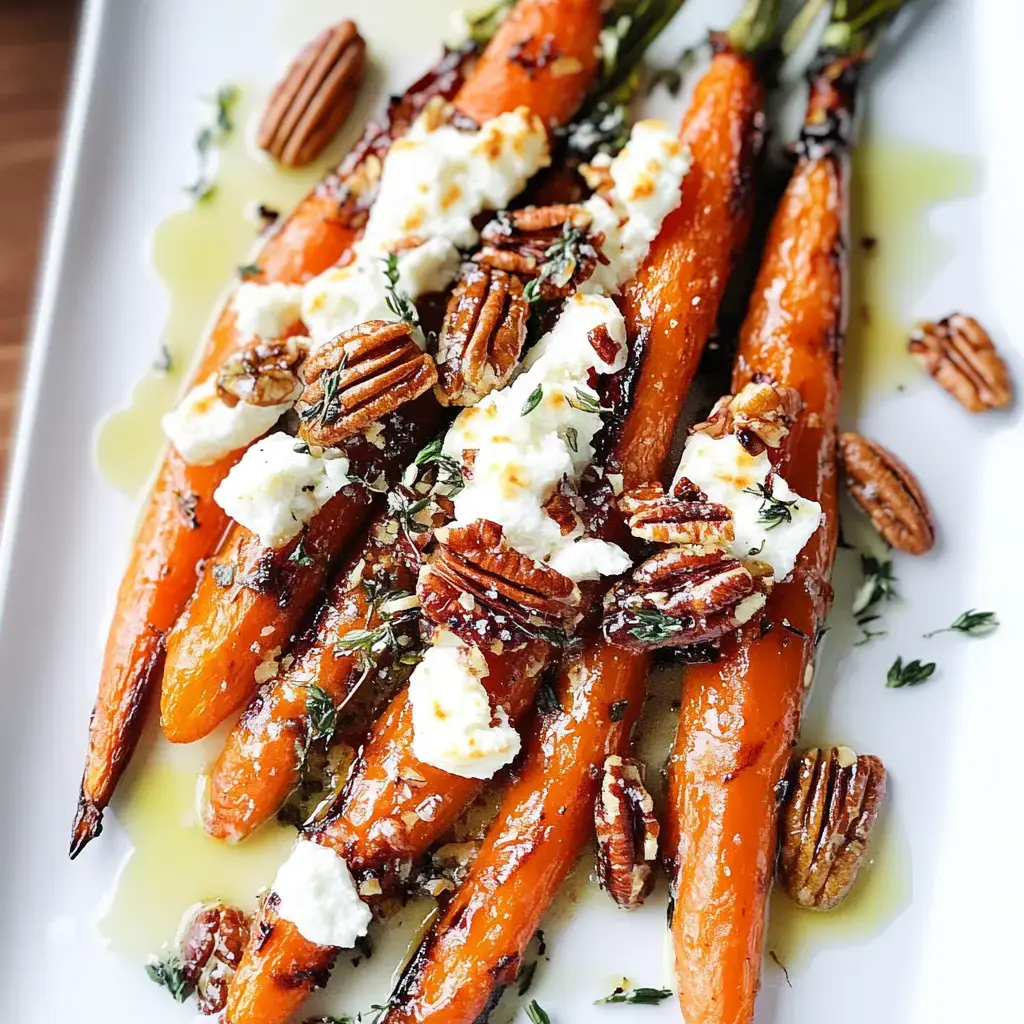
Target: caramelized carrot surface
740	716
547	813
380	818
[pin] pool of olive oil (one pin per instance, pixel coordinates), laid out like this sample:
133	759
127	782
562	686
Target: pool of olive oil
894	252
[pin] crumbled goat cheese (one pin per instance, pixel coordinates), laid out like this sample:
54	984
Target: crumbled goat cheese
433	183
521	458
454	728
275	490
204	428
729	475
267	310
647	176
317	893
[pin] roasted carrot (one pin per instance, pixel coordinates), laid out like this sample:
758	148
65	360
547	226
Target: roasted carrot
214	651
546	816
181	524
726	765
262	758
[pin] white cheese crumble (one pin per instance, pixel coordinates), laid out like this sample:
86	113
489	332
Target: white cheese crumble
274	490
267	310
647	175
433	183
521	457
729	475
204	428
454	728
317	893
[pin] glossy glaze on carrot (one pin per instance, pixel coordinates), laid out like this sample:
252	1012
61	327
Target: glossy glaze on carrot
381	820
740	716
547	814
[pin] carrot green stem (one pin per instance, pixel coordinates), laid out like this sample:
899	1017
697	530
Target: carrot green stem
755	26
856	25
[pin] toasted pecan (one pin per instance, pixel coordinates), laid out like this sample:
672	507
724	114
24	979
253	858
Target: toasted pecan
699	524
960	355
314	98
830	807
358	377
889	493
212	940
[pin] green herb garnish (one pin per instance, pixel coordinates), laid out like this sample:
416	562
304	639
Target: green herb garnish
449	472
572	438
398	301
773	511
653	626
911	674
299	555
532	401
586	401
170	974
972	623
208	138
640	996
249	270
537	1013
561	258
321	715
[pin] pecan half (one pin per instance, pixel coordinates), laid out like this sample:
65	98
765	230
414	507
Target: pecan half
664	518
475	581
482	335
315	96
627	832
959	354
358	377
889	493
676	599
212	939
266	373
830	808
760	414
549	243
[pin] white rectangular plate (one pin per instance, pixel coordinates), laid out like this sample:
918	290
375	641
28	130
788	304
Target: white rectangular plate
933	943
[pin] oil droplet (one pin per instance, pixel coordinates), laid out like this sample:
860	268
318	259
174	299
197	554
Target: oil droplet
195	253
894	253
880	894
175	863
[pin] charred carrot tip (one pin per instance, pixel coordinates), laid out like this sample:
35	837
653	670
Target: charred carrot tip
88	825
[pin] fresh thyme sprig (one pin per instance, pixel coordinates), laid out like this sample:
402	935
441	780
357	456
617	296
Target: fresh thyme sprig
640	996
404	510
321	715
971	623
586	402
208	138
773	511
449	472
537	1013
910	674
398	301
328	409
561	258
170	974
653	626
879	587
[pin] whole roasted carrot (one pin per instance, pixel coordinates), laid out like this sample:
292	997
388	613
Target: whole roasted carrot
262	758
740	715
219	643
181	523
547	814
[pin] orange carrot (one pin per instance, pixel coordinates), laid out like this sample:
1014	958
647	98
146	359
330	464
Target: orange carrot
262	758
725	767
181	524
216	647
547	814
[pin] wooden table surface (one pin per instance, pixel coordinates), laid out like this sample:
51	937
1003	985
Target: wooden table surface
36	43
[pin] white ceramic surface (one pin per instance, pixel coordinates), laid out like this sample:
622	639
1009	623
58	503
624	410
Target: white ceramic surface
950	745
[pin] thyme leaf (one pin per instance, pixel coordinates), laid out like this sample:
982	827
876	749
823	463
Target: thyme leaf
653	626
773	511
640	996
911	674
208	138
398	301
532	401
321	715
299	555
586	401
537	1013
561	258
171	975
572	436
971	623
449	472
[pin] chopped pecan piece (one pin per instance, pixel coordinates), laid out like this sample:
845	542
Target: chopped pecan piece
830	808
212	940
547	243
760	414
475	580
316	95
692	520
358	377
266	373
889	493
627	832
676	599
482	336
959	354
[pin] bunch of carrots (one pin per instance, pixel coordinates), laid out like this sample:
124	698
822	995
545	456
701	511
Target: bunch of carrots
201	643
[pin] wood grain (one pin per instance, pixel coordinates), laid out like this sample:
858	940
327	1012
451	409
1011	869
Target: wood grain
36	43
